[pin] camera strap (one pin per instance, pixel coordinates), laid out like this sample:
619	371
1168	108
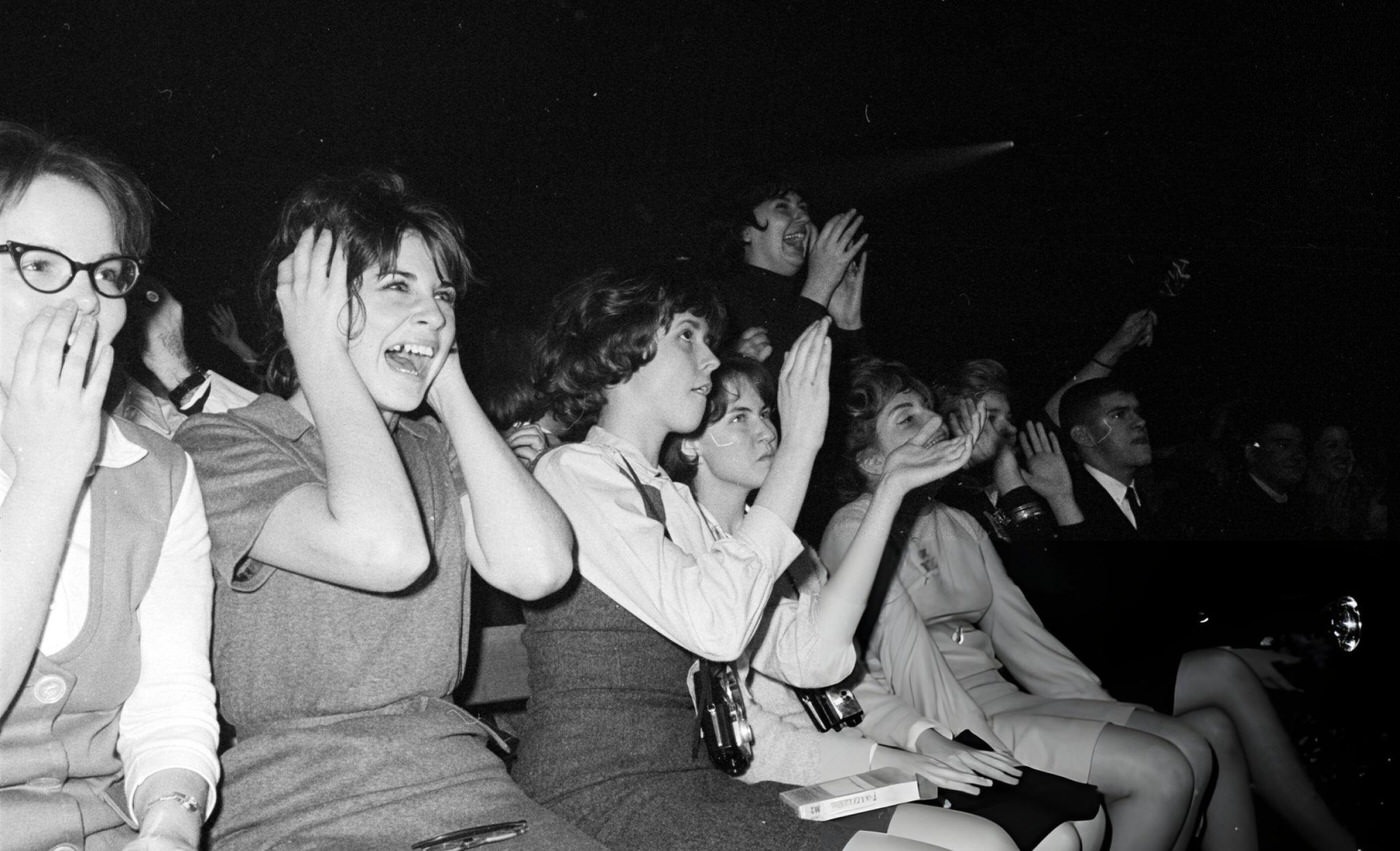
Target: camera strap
705	674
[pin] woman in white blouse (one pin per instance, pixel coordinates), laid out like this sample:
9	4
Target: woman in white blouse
813	617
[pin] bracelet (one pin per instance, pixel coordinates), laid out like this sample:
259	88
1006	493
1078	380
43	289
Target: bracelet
1096	360
188	803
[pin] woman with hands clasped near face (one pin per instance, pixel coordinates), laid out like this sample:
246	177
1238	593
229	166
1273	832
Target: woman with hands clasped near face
953	596
107	723
812	616
344	532
780	271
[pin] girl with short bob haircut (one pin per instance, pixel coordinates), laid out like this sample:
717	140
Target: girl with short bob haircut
345	531
610	736
107	722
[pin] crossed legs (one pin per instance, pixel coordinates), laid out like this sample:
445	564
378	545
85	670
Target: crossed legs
1220	679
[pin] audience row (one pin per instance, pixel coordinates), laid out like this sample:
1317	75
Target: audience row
236	620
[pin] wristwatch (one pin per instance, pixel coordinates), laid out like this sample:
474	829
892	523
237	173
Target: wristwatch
188	386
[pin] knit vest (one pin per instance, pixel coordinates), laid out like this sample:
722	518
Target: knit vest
59	770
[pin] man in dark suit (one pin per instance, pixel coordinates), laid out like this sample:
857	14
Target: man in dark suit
1262	504
1104	421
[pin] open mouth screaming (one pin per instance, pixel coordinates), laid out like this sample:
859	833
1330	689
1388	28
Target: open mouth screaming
409	358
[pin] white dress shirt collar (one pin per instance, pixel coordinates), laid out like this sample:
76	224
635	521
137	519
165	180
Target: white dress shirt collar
1116	490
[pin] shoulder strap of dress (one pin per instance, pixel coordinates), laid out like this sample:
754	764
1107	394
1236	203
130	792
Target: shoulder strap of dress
651	498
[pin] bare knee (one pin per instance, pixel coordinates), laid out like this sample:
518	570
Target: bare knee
1130	763
1219	731
1062	838
1170	772
1215	676
1191	745
948	828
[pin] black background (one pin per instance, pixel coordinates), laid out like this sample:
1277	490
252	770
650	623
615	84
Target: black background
1257	140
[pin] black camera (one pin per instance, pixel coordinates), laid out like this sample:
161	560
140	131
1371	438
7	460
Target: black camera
831	708
723	721
1029	520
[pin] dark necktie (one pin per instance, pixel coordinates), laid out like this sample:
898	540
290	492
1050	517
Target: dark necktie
1135	506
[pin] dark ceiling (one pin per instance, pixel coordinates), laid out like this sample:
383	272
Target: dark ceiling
1256	139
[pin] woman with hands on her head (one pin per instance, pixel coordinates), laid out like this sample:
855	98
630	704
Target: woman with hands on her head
107	722
344	533
811	620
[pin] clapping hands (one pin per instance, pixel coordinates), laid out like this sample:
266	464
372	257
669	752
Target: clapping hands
926	458
1045	470
804	387
754	344
830	252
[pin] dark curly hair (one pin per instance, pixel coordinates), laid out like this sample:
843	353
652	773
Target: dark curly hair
724	389
369	214
732	211
602	329
873	383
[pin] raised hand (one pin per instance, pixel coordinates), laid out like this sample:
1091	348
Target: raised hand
224	327
804	387
1137	330
923	458
754	344
1006	469
846	301
528	441
312	294
53	414
968	418
164	351
449	385
1046	470
829	252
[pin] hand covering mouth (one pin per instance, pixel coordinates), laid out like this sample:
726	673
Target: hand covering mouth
409	358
